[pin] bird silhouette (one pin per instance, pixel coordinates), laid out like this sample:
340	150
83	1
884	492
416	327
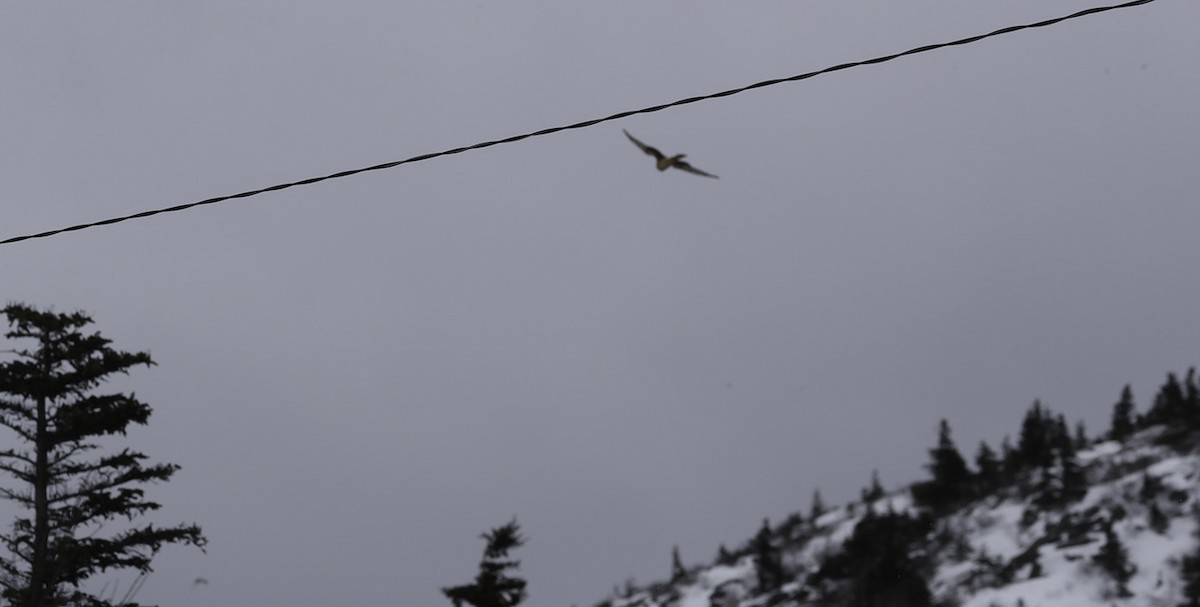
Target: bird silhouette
664	162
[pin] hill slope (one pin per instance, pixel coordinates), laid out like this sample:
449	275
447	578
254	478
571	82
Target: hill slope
1121	541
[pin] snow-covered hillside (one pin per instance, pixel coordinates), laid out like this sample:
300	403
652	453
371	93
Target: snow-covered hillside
999	550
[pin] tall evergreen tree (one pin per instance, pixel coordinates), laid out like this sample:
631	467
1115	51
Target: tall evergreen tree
1191	399
48	399
792	527
494	586
767	560
988	468
725	557
1170	404
1059	479
1035	443
951	477
1010	461
1123	422
1189	572
1113	559
1072	484
1035	568
818	507
1060	437
875	491
679	573
1081	436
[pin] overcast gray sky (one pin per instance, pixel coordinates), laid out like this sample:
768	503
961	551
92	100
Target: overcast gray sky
360	376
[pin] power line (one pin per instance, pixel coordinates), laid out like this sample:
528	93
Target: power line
577	125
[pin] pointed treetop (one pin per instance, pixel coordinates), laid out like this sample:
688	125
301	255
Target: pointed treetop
502	539
494	587
678	571
818	506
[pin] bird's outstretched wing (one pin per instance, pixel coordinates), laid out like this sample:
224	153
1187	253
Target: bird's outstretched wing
684	166
665	163
645	148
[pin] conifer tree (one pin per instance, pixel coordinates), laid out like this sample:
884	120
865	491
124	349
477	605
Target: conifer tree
724	556
678	571
1035	569
48	399
1123	417
1010	461
818	507
767	560
988	468
1081	437
1072	482
494	586
1113	559
1190	415
1189	572
1037	431
951	478
1170	404
875	492
1062	481
792	527
1061	435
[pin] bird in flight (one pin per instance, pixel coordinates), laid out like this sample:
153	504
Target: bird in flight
665	162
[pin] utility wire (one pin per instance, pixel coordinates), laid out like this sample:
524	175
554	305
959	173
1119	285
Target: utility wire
577	125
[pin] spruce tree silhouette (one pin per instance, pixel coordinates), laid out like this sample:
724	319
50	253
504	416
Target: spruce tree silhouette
818	507
1113	559
988	475
951	481
679	573
1189	573
873	493
493	586
768	564
47	400
1123	422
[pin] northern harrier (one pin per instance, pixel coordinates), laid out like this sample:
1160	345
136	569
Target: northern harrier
665	162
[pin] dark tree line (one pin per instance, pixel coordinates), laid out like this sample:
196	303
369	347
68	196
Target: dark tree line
1176	408
1044	460
1043	465
881	564
885	561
